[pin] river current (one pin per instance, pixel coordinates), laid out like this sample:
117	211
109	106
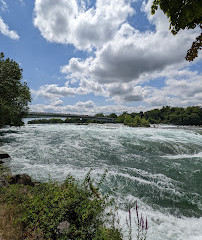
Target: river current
160	167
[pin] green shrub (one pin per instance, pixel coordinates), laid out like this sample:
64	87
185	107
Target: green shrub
46	205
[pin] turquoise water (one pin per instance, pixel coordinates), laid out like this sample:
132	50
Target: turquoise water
159	167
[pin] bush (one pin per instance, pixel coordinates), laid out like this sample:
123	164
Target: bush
40	210
137	121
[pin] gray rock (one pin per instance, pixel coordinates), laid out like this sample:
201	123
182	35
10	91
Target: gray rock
63	227
1	162
21	179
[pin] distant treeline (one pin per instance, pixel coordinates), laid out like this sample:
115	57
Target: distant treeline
169	115
68	120
175	115
165	115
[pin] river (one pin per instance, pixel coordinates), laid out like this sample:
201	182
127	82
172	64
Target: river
160	167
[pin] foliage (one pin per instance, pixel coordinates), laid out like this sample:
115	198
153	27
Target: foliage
14	94
144	122
68	120
183	15
128	120
52	120
175	115
99	115
165	115
112	115
131	121
120	118
42	208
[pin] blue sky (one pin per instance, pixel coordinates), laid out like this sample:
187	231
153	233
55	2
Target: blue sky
106	56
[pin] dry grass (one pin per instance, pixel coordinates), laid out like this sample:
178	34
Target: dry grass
9	229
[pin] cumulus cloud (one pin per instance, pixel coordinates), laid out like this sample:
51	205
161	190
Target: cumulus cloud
182	88
124	61
88	107
132	54
57	102
4	29
54	91
79	107
132	58
69	22
127	92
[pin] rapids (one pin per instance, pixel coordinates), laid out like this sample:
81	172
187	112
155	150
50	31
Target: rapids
160	167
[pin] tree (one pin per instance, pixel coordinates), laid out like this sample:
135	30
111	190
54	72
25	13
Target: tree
14	94
99	115
183	14
112	115
128	120
144	123
120	118
137	121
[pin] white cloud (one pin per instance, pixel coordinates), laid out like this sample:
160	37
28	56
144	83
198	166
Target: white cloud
132	54
124	60
72	23
132	57
57	102
4	29
85	105
88	107
183	88
53	91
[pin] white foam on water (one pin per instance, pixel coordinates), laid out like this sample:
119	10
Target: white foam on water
161	177
163	184
54	151
161	226
180	156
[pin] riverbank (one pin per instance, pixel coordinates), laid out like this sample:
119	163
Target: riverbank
34	210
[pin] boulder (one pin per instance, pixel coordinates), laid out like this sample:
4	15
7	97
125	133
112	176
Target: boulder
3	155
21	179
1	162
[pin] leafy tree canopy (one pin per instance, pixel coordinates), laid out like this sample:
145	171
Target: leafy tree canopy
99	115
112	115
183	14
14	94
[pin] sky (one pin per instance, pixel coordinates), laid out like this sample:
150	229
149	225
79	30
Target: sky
93	56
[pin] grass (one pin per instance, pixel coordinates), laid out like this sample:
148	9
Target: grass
9	230
37	212
67	211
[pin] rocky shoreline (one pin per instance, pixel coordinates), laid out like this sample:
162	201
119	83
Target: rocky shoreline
34	210
7	178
